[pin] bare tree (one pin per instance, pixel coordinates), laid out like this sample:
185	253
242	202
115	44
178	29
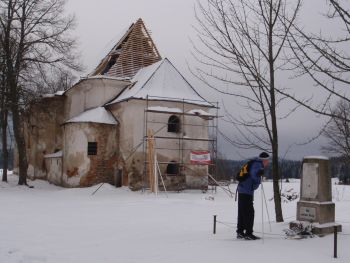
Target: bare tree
337	131
4	126
36	36
325	59
3	113
57	80
242	44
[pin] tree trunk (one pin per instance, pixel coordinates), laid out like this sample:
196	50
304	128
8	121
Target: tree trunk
276	188
275	168
274	138
21	147
4	115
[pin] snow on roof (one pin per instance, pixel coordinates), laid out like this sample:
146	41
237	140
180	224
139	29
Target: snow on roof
57	93
197	112
96	115
316	157
161	81
165	109
126	80
200	113
108	77
54	155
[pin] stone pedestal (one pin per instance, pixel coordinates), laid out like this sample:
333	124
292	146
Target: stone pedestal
315	205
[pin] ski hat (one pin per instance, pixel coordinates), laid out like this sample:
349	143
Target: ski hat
264	156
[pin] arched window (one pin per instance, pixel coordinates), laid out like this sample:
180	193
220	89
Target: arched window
172	168
174	124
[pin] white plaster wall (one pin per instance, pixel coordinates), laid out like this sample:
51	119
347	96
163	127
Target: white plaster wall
188	131
91	93
30	171
132	129
74	154
54	170
131	116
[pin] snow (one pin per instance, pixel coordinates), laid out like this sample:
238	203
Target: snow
96	115
161	81
197	112
316	157
57	93
200	113
165	109
53	155
55	225
108	77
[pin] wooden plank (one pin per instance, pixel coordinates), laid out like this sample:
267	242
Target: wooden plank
137	50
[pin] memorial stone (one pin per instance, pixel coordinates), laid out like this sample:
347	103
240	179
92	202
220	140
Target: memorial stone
315	205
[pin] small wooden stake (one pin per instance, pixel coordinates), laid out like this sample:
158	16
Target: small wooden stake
335	241
214	227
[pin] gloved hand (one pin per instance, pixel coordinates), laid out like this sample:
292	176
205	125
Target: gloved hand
261	172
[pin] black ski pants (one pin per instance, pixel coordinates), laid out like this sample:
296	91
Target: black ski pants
245	220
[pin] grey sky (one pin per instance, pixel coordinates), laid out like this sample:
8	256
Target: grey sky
170	22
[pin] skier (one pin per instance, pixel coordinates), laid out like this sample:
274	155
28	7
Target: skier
245	189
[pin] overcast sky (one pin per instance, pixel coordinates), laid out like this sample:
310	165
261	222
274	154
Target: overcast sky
100	23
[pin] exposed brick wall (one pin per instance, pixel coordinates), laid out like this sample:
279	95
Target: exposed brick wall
103	166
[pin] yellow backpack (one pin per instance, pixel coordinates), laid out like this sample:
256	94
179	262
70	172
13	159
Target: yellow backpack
243	174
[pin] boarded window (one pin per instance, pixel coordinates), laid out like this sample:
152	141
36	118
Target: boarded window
92	148
172	168
174	124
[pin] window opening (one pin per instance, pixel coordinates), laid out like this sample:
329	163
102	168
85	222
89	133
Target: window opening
172	168
174	124
92	148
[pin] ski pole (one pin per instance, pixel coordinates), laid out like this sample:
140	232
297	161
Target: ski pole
262	212
97	189
267	211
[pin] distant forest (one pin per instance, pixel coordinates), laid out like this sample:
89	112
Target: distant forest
227	169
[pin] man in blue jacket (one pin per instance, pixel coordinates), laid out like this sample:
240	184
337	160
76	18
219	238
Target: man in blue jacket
246	190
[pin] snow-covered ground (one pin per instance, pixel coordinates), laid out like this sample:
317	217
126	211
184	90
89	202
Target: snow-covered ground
53	224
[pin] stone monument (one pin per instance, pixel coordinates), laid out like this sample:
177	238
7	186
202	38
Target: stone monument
315	205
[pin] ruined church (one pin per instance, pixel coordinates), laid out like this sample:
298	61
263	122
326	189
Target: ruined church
133	116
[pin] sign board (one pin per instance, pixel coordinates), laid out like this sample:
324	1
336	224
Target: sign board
310	180
201	157
308	213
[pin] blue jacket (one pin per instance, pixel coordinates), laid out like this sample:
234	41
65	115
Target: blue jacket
254	179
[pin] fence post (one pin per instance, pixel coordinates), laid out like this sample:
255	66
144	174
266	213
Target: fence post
214	227
335	241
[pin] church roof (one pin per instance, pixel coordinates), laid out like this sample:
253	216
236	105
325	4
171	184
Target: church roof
96	115
134	50
161	81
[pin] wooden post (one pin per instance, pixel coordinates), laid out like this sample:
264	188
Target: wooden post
335	241
214	227
150	159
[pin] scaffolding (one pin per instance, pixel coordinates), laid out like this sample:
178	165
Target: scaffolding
181	142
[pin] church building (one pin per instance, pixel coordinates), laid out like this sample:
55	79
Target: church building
134	121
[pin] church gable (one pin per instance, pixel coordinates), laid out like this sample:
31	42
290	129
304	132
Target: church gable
134	51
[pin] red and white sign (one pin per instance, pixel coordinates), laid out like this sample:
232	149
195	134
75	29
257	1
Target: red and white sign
202	157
